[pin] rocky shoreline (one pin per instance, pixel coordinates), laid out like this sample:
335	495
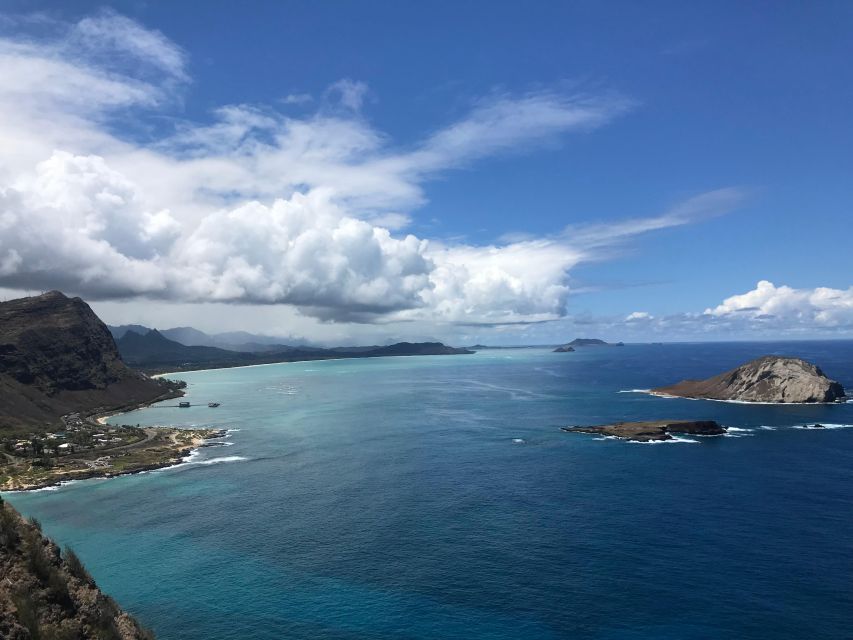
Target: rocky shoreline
653	430
164	447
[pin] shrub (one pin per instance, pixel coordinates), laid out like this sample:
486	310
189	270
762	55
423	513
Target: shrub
76	568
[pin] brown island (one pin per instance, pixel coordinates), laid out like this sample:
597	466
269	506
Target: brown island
770	379
652	430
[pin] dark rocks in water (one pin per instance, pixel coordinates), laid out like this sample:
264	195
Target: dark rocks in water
564	349
774	379
593	342
652	430
57	357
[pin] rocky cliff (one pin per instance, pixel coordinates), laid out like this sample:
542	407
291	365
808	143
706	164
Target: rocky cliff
48	594
57	357
769	379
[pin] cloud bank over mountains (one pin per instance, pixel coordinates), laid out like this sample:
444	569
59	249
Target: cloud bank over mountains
258	207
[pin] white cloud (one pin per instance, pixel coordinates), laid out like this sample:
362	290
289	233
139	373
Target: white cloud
640	316
257	207
111	34
769	304
705	205
501	123
297	98
349	93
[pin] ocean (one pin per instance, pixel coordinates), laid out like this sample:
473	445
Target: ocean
421	498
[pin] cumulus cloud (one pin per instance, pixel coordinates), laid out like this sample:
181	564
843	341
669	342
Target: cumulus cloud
769	304
259	207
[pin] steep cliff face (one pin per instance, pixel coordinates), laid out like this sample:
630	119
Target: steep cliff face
769	379
56	356
48	594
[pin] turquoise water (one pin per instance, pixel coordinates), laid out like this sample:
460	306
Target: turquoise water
435	497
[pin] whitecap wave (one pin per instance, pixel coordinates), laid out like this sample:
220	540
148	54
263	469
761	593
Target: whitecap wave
822	425
218	460
194	453
668	396
739	430
673	440
518	441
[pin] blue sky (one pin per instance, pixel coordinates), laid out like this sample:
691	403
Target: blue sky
681	100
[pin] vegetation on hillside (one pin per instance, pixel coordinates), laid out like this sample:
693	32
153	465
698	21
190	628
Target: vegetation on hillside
46	594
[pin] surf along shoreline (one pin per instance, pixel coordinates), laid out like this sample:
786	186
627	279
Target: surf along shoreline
134	450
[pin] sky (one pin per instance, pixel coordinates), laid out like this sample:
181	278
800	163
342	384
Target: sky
493	172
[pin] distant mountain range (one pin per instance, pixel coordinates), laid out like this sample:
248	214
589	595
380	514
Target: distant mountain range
155	350
191	337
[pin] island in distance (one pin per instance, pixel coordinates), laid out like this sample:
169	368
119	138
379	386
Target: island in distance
769	379
586	342
652	430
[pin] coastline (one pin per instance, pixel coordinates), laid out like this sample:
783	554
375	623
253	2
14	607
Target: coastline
100	415
176	453
317	360
669	396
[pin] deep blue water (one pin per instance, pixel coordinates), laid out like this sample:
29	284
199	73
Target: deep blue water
388	499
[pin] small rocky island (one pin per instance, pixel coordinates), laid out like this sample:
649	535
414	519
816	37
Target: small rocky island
652	430
586	342
770	379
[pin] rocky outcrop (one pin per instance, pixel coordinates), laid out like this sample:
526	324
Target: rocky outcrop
649	431
57	357
564	349
45	593
773	379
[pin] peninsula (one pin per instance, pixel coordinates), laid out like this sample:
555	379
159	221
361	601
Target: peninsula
59	371
770	379
653	430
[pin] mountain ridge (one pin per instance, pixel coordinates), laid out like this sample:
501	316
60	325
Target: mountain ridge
57	357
